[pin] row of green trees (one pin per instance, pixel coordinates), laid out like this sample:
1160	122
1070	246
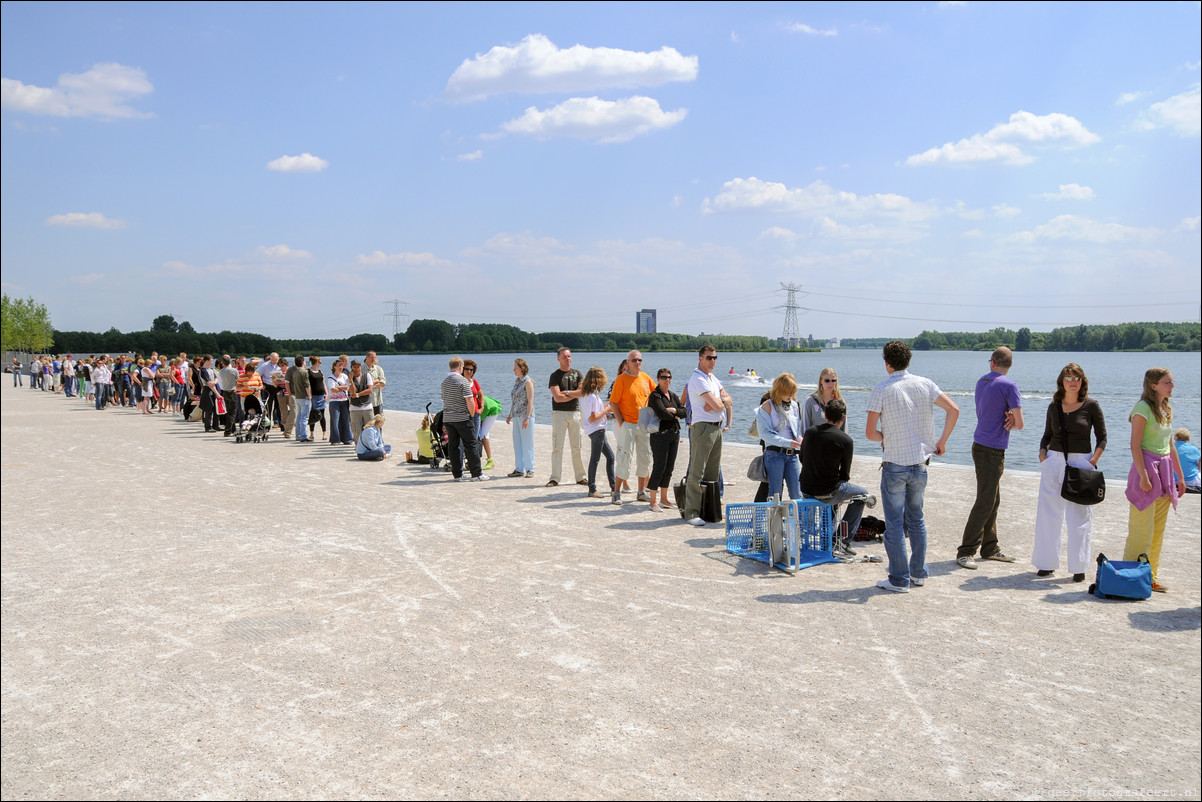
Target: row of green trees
27	328
1120	337
438	336
168	337
25	325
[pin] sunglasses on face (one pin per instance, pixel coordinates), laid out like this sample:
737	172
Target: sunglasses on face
830	381
661	378
712	358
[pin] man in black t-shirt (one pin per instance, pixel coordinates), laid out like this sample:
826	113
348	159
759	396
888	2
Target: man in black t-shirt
565	417
826	454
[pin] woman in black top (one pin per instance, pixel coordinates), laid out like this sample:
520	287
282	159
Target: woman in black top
317	386
664	443
1080	415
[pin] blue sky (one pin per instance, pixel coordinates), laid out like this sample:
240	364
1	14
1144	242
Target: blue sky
287	168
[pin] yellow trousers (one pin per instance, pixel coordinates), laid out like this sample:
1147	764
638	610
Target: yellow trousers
1145	532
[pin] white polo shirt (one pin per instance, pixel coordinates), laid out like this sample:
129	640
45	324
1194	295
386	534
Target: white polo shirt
702	382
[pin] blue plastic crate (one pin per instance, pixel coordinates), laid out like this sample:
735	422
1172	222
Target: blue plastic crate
790	535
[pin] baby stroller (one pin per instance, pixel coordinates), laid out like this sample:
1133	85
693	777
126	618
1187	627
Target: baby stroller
438	442
254	429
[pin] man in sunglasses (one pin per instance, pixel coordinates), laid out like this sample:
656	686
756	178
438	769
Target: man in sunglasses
712	407
999	412
628	396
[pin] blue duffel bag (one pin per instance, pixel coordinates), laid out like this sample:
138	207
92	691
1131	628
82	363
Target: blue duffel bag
1123	580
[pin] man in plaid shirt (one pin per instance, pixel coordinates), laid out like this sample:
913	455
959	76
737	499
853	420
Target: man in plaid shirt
901	417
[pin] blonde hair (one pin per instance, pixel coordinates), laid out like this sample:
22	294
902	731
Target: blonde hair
1161	410
784	387
817	394
1181	435
594	380
378	420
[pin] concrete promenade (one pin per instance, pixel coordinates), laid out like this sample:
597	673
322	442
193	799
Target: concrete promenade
185	617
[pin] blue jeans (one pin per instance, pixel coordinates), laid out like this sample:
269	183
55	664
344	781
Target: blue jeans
17	379
303	405
600	446
855	511
523	445
782	469
340	422
902	488
102	395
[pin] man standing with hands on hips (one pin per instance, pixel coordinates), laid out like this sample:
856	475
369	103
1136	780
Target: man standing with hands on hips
999	412
712	407
903	406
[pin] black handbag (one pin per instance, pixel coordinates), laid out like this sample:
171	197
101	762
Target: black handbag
1080	485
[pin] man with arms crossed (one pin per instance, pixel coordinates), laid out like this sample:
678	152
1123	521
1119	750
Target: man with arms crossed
999	411
712	408
565	417
627	397
901	417
372	368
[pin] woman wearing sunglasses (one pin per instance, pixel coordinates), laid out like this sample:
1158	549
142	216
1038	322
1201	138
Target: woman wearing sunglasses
666	442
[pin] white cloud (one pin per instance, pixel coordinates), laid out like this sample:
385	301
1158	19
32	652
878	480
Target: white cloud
87	278
1189	224
470	157
1002	210
801	27
973	232
85	220
1181	113
1002	142
1083	229
591	118
816	199
1128	97
826	228
537	65
103	91
1069	192
304	163
522	246
281	252
405	259
778	233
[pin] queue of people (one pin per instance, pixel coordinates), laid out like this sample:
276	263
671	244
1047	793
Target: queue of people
807	452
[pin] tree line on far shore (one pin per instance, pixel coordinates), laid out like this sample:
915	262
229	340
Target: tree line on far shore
432	336
1119	337
422	336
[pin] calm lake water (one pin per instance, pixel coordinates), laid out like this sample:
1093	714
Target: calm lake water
1115	380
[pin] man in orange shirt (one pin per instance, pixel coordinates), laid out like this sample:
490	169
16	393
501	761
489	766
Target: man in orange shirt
628	396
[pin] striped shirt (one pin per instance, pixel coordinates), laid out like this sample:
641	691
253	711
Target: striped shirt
456	390
249	383
906	404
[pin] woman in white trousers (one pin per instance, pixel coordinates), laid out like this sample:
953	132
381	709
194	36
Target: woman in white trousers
1072	417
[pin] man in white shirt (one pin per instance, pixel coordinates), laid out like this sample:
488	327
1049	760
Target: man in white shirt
712	407
903	406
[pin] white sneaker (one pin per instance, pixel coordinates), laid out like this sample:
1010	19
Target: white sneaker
885	584
481	478
696	522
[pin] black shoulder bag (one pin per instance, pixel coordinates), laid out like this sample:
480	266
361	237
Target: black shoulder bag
1081	485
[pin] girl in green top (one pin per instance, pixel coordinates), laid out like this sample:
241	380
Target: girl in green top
1152	434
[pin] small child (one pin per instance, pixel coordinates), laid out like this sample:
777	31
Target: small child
1188	453
596	421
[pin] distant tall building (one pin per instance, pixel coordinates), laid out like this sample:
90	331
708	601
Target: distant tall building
644	321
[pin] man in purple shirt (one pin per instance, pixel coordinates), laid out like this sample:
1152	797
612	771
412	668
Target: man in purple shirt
999	412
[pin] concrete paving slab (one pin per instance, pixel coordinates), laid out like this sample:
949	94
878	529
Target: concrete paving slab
187	617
